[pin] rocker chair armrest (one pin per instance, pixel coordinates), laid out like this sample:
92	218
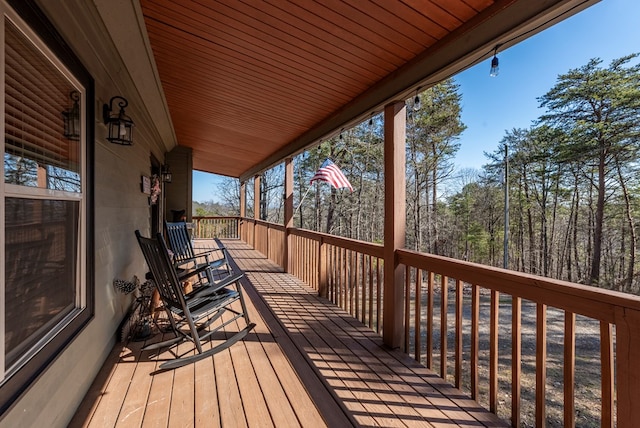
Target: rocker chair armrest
203	255
213	288
188	273
205	252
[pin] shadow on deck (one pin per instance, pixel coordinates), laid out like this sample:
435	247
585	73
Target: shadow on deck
307	363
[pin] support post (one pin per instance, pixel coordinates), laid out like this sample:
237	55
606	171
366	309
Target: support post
256	197
394	220
243	199
243	211
288	211
627	373
256	209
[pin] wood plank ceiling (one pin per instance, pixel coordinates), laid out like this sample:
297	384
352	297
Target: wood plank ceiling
245	79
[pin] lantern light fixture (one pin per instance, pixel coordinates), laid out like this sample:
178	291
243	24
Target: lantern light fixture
71	118
120	126
495	69
165	174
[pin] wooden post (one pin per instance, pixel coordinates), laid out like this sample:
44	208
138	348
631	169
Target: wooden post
288	211
394	220
243	211
243	199
627	373
322	270
256	197
256	208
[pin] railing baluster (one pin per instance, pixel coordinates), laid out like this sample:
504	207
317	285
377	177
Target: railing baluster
475	321
348	301
363	287
295	258
339	283
607	377
352	286
322	269
356	275
309	261
378	295
337	270
300	250
493	352
430	320
332	274
541	364
458	356
371	295
516	354
345	280
407	309
418	316
444	303
569	369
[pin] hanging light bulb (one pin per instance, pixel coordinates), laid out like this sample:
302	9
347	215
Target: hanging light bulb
416	102
371	120
495	69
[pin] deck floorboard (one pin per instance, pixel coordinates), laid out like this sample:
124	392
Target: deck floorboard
307	363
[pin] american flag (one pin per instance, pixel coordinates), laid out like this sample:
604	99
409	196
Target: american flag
330	173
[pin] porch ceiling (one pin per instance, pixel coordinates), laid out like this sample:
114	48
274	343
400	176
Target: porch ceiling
250	82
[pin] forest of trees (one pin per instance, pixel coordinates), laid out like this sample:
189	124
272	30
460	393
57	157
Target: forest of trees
572	178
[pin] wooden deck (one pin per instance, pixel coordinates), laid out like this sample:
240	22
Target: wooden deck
307	363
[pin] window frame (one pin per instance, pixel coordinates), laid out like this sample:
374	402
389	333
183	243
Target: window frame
28	17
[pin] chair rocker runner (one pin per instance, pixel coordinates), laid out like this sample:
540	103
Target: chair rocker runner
191	315
184	255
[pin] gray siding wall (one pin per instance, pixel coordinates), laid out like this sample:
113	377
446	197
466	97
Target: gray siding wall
120	66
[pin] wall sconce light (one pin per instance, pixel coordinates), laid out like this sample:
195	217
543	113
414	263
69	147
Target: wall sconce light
165	173
120	125
71	118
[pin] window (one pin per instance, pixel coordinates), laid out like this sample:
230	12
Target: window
46	279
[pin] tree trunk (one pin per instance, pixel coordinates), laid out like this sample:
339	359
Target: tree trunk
628	280
594	276
434	210
576	207
331	210
532	249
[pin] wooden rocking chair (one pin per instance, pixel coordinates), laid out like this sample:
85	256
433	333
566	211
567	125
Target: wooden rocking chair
185	256
192	315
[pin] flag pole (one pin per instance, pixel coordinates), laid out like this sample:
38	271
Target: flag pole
301	200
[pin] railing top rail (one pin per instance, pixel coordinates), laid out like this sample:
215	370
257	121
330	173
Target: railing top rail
593	302
375	250
215	217
263	223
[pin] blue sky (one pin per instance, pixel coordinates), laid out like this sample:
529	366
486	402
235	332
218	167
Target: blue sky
491	105
607	30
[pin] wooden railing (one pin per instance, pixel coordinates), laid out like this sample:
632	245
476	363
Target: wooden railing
268	238
215	227
530	349
347	272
